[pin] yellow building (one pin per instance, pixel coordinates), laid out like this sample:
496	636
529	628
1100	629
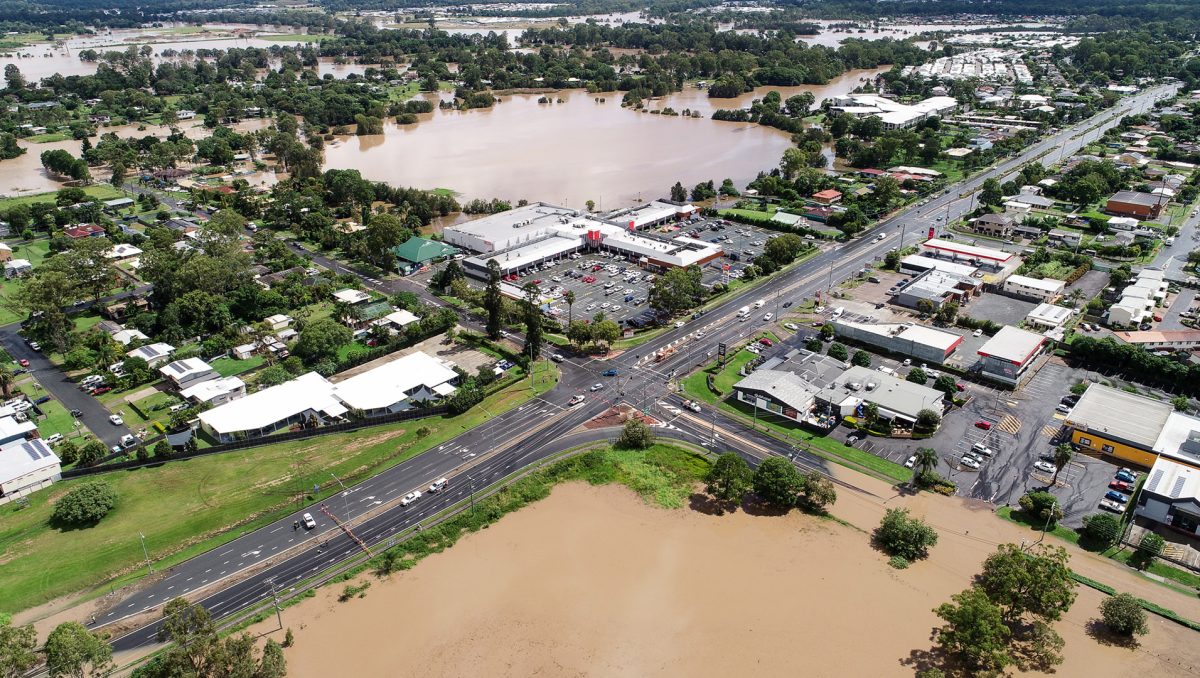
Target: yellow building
1127	427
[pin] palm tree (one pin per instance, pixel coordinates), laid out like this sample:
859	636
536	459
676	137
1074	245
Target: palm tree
1062	456
569	297
926	461
6	380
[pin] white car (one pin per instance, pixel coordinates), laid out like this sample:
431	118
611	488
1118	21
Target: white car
307	521
977	333
1110	505
410	497
767	317
969	462
1045	466
596	387
907	362
575	400
128	440
692	405
980	448
54	439
791	326
678	324
116	420
912	461
438	485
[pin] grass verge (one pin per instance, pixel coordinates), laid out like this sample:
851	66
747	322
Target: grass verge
188	507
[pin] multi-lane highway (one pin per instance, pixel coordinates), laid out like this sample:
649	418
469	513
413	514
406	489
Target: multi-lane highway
240	574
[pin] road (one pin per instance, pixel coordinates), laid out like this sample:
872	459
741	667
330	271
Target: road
514	440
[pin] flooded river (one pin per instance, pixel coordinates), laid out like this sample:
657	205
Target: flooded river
575	151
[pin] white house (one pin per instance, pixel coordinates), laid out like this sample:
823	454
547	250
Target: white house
126	337
153	354
123	251
307	397
188	372
396	385
26	466
398	320
1048	316
17	268
185	115
278	321
1043	289
350	296
215	391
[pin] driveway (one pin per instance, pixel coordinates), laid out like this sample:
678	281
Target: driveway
56	383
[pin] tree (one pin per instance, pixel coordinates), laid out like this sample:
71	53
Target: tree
891	260
1124	615
729	479
1062	456
1150	547
917	376
162	450
1036	582
974	631
67	452
320	340
1042	507
197	650
635	435
946	384
826	331
569	297
990	193
118	174
900	535
926	461
85	505
533	322
678	192
776	482
493	302
1101	529
72	650
838	351
383	232
677	290
816	492
590	205
928	419
784	249
91	451
272	664
861	358
17	648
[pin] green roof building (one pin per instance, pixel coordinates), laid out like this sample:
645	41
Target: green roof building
417	252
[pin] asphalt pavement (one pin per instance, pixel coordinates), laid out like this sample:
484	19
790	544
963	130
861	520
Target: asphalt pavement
290	556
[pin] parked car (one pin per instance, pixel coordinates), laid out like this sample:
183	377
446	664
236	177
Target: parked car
766	342
1110	505
1121	486
54	439
912	461
307	521
116	420
23	362
1062	409
35	346
43	399
76	413
985	425
1116	496
128	440
960	386
1126	475
410	497
969	462
791	326
977	333
1045	466
982	449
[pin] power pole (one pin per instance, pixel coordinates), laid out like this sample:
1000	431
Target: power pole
275	597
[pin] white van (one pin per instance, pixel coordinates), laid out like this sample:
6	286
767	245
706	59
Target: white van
759	304
744	312
438	485
837	312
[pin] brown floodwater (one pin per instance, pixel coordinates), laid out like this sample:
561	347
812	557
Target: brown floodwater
593	581
575	151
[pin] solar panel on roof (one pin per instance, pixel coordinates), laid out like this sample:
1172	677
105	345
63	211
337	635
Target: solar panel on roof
1177	488
33	453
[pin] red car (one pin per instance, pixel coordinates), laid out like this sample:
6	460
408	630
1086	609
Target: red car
960	386
24	362
597	267
985	425
101	389
765	342
1121	486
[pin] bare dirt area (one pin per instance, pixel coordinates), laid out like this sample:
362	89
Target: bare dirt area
617	416
592	581
464	356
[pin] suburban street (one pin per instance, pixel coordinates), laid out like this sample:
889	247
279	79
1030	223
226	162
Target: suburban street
509	442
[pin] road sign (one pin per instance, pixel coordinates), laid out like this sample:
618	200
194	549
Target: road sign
721	350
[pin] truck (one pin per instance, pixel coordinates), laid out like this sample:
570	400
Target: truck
759	304
743	312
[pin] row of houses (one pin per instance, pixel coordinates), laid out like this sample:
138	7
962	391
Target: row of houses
1138	300
395	386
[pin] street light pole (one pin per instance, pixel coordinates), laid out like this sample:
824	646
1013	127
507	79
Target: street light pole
345	499
149	565
275	597
471	480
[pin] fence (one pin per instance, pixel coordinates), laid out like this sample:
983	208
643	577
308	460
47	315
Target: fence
416	413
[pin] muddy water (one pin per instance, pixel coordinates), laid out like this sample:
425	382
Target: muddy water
593	582
578	150
24	174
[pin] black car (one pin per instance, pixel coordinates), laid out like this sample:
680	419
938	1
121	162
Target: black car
787	304
76	413
43	399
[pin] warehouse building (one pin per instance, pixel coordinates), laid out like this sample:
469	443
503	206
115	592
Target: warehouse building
1135	204
1171	494
778	391
1132	428
915	263
1008	355
898	400
938	288
923	343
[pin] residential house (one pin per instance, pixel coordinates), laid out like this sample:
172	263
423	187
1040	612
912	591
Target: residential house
26	466
1135	204
5	253
827	196
126	337
16	268
349	296
83	231
188	372
153	354
994	225
215	392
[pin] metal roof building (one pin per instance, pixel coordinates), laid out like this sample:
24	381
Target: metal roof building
1008	355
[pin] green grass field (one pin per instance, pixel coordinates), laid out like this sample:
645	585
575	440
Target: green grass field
48	137
749	214
297	37
187	507
229	367
96	191
35	252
